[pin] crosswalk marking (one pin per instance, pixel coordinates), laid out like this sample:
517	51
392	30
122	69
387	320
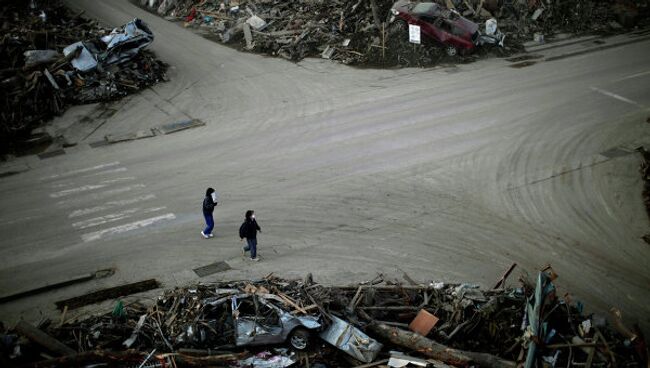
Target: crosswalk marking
112	217
111	171
101	182
81	171
85	188
126	227
110	204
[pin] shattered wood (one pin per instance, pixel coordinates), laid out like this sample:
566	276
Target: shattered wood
39	79
201	325
352	31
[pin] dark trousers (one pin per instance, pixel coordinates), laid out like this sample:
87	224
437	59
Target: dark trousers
209	221
252	246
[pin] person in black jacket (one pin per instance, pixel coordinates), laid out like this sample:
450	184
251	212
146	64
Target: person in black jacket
249	231
209	202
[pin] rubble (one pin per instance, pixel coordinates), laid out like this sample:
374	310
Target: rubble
359	32
644	169
528	326
52	58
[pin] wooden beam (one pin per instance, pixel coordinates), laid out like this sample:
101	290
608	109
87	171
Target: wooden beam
43	339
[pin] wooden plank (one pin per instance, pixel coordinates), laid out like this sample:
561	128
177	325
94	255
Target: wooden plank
43	339
110	293
503	278
432	349
292	303
47	287
373	364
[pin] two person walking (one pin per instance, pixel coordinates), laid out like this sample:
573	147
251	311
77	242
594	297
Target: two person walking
248	230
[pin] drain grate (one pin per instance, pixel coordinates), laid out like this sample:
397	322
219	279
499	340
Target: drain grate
212	269
181	125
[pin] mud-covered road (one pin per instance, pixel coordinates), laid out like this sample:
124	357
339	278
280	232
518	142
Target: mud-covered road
450	173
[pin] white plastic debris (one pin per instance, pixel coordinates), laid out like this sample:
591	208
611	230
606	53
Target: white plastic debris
490	26
256	22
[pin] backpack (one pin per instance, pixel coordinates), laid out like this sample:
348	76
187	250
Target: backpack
242	230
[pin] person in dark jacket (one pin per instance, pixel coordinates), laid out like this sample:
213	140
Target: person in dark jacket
209	203
249	231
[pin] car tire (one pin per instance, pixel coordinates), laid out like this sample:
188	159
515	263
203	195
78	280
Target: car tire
399	27
451	51
299	339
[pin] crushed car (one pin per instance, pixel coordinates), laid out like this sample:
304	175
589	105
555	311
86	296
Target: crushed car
119	46
445	27
257	319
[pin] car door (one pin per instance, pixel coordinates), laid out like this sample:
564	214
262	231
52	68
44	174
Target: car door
269	325
255	322
428	26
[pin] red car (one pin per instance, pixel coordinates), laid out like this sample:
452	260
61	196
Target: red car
445	27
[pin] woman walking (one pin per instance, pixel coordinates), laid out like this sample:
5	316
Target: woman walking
209	203
249	231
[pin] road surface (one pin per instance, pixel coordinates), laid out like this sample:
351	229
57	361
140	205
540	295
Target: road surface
450	174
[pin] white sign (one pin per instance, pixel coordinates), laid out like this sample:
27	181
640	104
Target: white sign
414	34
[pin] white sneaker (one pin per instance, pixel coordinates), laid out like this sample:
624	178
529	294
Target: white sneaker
211	235
255	259
204	235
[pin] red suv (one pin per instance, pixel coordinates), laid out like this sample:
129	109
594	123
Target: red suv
445	27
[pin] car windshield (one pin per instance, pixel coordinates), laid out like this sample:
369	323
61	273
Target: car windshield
425	8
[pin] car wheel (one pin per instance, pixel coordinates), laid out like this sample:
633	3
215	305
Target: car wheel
299	339
399	27
451	51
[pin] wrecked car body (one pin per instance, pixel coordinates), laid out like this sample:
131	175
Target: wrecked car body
444	26
351	340
259	319
119	46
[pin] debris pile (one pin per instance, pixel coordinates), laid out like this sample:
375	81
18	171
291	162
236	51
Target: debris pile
361	32
52	58
377	323
644	169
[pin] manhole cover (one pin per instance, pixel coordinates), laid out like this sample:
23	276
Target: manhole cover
212	268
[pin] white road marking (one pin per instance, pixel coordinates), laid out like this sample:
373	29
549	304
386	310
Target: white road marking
122	190
117	180
85	188
109	205
111	192
633	76
81	171
126	227
113	217
81	189
618	97
112	171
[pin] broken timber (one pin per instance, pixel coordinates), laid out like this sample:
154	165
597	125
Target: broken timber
432	349
110	293
43	339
